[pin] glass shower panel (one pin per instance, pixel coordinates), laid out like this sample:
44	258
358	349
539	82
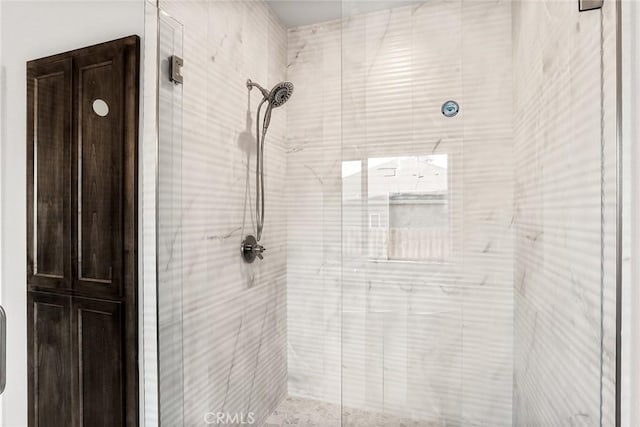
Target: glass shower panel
169	225
225	319
402	209
478	259
314	205
435	207
564	280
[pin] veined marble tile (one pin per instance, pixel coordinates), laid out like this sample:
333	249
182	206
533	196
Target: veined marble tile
314	212
562	196
233	315
408	340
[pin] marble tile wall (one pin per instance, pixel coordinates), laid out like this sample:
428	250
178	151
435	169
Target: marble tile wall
564	202
233	322
314	212
430	340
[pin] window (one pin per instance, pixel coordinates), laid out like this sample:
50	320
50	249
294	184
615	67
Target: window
407	205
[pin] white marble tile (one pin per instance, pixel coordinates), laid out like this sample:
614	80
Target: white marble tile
408	329
314	212
560	374
233	327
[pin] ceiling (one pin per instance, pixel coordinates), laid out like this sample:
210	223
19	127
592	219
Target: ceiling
296	13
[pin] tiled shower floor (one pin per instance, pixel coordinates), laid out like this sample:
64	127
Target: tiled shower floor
299	412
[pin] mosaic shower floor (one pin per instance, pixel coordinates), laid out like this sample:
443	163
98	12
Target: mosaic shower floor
299	412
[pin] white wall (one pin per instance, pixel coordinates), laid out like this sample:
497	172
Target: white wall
32	30
631	215
147	285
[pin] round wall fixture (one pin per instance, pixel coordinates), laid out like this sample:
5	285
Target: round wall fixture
450	108
100	107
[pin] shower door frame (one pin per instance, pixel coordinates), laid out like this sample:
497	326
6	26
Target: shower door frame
619	226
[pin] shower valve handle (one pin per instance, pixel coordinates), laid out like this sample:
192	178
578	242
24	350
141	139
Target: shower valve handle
258	249
251	249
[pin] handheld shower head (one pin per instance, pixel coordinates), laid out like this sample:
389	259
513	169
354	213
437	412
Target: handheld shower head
276	98
280	94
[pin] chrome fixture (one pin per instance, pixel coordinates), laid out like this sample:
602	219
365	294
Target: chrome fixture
450	108
3	350
175	69
274	98
584	5
251	249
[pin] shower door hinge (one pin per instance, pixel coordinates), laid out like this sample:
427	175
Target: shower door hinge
584	5
175	69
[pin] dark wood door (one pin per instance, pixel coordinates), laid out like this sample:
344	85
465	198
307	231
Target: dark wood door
98	361
49	336
82	125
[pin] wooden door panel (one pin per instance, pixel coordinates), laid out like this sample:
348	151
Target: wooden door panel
82	236
99	140
48	154
100	369
49	364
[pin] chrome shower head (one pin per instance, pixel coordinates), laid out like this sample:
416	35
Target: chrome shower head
280	94
275	98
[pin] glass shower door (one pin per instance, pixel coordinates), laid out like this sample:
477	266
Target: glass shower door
477	235
402	214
